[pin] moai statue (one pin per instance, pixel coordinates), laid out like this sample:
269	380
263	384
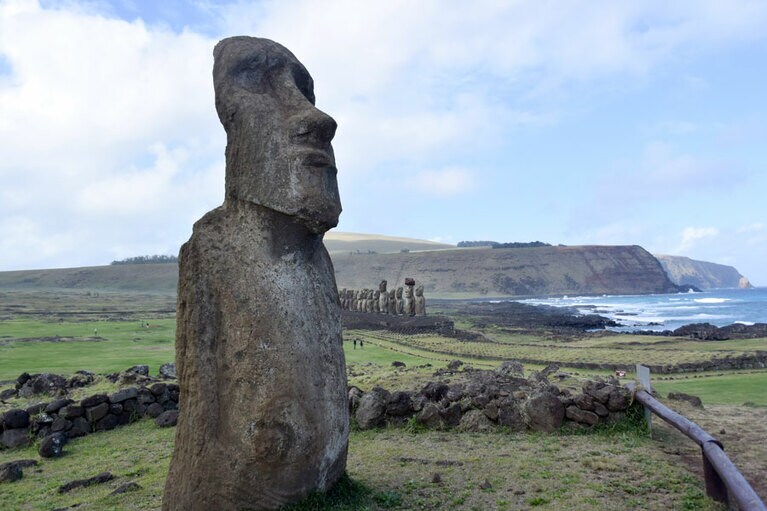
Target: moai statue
263	416
409	300
341	297
383	300
400	302
420	302
376	306
355	300
392	302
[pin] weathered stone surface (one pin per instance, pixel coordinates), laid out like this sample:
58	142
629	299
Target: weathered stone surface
80	427
420	302
123	395
154	410
582	416
451	415
435	390
168	371
681	396
13	470
52	446
601	409
35	408
258	341
619	399
511	416
399	404
15	438
126	487
108	422
597	390
97	412
13	419
10	472
429	416
371	411
57	405
94	400
475	421
167	419
71	411
61	424
82	483
545	411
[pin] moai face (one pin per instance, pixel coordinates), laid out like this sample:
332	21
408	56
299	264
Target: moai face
399	292
377	295
419	291
382	286
278	152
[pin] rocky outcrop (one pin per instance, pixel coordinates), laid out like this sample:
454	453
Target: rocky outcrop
701	274
513	271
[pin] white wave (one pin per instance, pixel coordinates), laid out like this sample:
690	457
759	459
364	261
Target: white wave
712	300
747	323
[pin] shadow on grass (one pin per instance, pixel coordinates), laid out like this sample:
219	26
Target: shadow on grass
347	495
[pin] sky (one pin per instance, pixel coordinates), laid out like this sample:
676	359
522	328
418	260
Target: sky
574	122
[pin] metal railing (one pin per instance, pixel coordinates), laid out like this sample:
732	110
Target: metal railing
723	479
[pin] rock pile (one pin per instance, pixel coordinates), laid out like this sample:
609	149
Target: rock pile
63	418
491	399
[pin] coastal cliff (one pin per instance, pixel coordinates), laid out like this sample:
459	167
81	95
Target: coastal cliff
464	272
512	271
701	274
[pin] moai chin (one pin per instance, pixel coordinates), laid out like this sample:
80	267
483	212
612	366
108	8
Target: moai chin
263	411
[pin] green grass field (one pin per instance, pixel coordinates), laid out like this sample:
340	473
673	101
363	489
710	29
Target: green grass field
100	346
392	469
725	389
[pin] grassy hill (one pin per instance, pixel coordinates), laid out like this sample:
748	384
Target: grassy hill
352	242
134	277
361	261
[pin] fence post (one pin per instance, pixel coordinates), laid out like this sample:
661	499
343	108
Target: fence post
643	375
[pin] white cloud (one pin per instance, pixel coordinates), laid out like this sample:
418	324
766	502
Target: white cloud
692	235
443	183
755	227
111	145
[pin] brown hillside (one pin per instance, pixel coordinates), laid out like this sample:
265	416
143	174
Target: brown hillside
514	271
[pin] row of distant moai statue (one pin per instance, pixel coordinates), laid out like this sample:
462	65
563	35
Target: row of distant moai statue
402	301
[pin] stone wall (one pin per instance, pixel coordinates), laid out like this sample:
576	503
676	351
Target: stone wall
97	412
491	399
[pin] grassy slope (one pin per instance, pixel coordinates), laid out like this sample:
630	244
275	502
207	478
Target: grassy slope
524	471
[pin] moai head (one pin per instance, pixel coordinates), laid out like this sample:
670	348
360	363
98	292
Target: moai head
399	292
278	151
376	295
409	291
382	286
392	294
419	291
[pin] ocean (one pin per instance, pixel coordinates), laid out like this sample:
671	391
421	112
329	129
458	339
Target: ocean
719	307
